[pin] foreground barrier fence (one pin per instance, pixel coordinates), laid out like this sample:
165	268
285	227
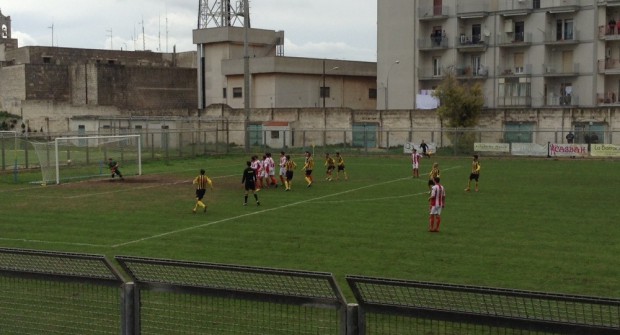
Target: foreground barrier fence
60	293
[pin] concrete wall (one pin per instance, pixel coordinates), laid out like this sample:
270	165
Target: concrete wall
13	87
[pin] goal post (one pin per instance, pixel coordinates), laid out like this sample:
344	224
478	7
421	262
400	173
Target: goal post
86	157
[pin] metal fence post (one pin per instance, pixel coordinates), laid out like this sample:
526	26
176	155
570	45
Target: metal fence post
128	309
352	319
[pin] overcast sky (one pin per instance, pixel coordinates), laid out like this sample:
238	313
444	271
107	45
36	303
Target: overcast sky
336	29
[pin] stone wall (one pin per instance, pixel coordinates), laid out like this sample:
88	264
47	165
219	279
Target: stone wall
147	88
47	82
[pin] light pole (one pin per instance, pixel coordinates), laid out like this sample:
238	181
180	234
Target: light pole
387	84
322	89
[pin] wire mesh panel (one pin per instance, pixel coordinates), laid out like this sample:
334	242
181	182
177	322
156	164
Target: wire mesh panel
189	298
58	293
496	308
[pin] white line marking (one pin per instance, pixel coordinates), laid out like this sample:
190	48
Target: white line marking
51	242
253	213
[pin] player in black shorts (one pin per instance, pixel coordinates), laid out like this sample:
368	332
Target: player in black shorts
249	180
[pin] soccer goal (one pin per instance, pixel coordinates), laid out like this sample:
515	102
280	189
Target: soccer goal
84	157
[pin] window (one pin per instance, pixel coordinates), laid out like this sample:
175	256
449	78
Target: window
518	132
325	92
564	29
275	134
476	65
476	31
138	126
518	61
436	67
224	92
237	92
372	94
519	31
47	59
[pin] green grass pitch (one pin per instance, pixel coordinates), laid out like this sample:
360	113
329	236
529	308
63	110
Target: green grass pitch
536	224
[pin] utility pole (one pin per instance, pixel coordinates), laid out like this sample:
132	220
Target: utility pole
52	27
111	38
246	72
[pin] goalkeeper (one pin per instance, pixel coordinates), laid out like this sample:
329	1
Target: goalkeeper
201	183
114	170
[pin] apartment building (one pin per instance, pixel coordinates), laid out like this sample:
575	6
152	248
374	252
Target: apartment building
525	53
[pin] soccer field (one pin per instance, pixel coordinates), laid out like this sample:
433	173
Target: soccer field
536	224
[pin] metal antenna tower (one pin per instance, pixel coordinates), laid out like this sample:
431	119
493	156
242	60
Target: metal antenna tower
222	13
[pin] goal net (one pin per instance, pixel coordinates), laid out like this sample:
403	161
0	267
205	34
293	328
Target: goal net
84	157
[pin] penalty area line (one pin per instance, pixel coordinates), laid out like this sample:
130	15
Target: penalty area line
252	214
53	242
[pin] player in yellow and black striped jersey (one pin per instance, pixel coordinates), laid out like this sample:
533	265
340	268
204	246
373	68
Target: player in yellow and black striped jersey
432	175
290	166
475	174
308	167
340	164
331	166
201	182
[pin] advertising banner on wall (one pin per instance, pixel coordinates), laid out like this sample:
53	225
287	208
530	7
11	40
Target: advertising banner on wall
605	150
529	149
491	147
568	150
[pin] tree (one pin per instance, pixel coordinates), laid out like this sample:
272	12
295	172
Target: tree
460	103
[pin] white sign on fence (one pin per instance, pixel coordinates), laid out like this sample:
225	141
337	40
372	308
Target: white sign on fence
529	149
605	150
567	150
491	147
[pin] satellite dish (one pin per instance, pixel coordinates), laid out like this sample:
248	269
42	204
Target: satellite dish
487	33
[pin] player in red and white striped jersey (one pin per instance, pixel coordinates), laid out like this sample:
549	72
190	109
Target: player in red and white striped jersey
255	166
283	168
415	163
271	170
437	203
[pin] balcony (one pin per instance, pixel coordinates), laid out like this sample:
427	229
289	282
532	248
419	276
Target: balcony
430	73
514	40
560	6
568	100
611	3
472	10
467	72
472	43
555	70
433	43
606	33
607	99
515	7
514	101
514	71
609	66
433	13
571	37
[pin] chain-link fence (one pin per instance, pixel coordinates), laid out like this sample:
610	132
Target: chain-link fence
17	152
